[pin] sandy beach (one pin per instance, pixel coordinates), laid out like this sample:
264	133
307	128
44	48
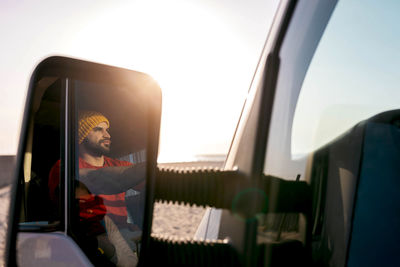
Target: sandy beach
179	220
4	207
176	220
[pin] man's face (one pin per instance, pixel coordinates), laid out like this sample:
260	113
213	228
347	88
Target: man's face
98	140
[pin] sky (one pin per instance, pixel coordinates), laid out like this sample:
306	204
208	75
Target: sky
203	54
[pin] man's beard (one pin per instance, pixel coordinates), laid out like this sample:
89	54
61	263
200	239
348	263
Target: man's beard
96	149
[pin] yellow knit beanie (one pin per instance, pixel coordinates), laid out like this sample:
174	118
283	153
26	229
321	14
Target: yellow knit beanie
87	120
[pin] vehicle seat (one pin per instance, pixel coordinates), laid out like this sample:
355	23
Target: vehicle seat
358	222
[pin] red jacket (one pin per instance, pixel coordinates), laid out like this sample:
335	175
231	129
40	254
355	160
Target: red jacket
92	208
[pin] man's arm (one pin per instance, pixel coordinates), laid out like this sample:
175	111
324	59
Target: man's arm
112	180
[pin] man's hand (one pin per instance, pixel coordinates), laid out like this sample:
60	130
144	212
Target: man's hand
81	190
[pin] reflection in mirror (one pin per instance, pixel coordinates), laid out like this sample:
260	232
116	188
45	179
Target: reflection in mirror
43	148
110	160
88	142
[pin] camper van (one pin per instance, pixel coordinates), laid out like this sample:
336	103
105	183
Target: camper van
311	177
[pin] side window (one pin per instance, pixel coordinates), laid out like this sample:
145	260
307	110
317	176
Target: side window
43	149
325	88
347	123
353	75
335	125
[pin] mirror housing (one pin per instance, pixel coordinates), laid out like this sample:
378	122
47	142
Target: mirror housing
82	85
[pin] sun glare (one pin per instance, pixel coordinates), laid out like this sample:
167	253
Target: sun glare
192	55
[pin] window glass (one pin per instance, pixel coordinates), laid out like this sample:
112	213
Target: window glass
329	84
335	125
41	200
354	74
110	163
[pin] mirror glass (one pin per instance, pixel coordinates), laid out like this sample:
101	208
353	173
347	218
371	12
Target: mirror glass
110	161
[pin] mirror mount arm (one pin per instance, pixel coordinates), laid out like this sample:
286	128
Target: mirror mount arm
222	188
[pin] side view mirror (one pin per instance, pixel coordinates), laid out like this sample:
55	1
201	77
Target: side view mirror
86	166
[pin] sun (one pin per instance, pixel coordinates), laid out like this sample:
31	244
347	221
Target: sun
187	54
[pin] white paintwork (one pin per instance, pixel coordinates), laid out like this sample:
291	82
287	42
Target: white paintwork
209	225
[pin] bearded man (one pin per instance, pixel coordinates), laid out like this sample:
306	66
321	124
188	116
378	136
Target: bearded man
103	181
